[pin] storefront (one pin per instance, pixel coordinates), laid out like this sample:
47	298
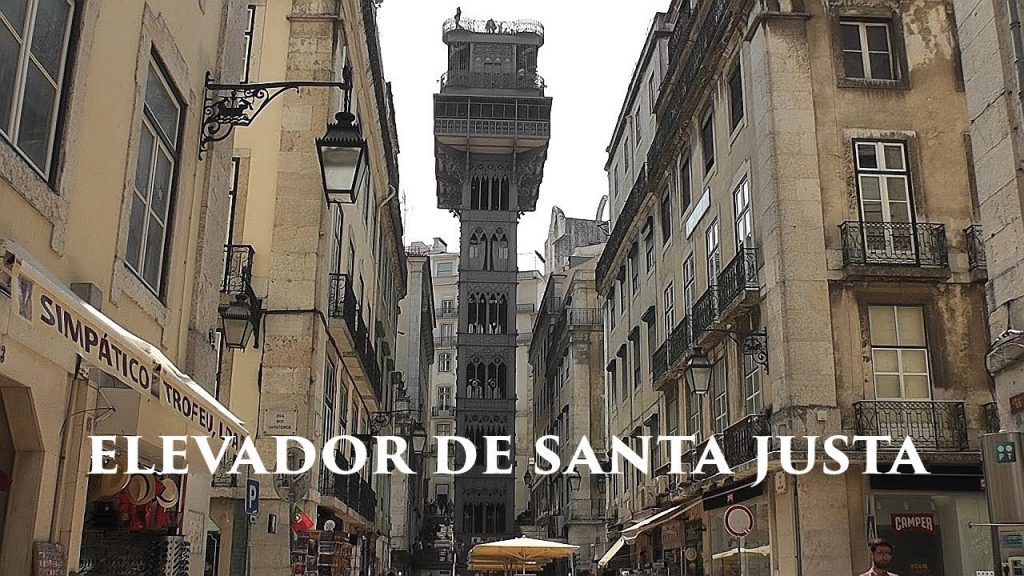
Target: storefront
927	520
731	556
67	371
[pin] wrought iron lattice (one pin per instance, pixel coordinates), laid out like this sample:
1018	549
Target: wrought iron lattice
238	259
739	274
894	243
975	247
738	442
934	425
226	106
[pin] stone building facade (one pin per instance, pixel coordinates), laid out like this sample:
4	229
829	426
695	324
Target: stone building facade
111	229
328	277
491	127
790	190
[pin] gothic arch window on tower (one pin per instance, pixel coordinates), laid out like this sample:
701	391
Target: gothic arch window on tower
487	380
499	249
489	193
487	313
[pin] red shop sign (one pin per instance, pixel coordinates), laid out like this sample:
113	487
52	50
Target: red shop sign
913	522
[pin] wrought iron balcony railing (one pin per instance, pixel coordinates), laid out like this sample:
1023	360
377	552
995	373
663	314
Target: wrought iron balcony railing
679	341
444	341
492	127
449	313
990	417
511	81
585	317
238	259
738	443
659	361
738	276
975	247
443	411
622	222
705	311
894	243
353	491
493	26
934	425
341	301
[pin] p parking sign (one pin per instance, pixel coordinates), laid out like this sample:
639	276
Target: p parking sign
252	496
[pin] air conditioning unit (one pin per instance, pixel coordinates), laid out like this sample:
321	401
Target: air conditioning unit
661	485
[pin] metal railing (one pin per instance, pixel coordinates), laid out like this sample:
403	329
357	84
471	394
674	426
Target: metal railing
492	127
354	492
510	81
622	222
705	311
659	361
738	276
443	411
934	425
444	341
452	313
738	443
238	259
975	247
679	341
894	243
990	417
493	26
341	300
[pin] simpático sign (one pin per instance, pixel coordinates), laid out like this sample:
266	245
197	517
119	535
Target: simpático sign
102	343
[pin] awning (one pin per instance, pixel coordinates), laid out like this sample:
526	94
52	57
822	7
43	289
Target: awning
611	553
634	531
64	319
765	550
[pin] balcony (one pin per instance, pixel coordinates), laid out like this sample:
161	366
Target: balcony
238	259
705	312
449	313
622	223
737	283
676	348
886	249
444	341
659	362
443	411
342	305
352	491
737	441
509	27
468	79
492	127
939	426
977	262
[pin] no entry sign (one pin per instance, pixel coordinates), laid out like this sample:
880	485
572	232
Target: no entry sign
739	520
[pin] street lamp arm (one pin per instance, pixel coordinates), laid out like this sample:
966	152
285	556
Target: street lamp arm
228	105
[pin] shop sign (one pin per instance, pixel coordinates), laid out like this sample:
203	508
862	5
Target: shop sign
1012	540
1017	403
913	523
104	344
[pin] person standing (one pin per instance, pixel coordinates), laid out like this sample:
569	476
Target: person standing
881	558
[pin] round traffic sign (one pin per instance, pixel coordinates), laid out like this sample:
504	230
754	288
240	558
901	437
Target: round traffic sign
739	520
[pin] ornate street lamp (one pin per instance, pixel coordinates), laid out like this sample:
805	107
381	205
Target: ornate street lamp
342	152
575	480
698	372
239	321
419	438
528	480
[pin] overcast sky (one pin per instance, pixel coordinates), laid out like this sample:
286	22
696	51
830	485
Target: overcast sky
590	50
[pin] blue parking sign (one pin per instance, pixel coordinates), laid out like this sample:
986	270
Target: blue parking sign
252	496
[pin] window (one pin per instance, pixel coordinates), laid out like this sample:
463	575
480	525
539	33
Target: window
694	416
685	187
622	290
648	234
720	398
444	396
626	151
625	372
330	396
899	352
611	307
343	406
637	127
446	330
444	269
635	337
615	183
689	285
250	29
613	389
652	339
735	97
707	139
154	181
666	215
444	362
883	182
714	258
672	414
444	429
744	219
669	299
752	401
447	306
634	270
867	50
34	38
338	231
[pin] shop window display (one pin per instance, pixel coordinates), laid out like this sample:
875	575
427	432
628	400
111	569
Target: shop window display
728	557
930	535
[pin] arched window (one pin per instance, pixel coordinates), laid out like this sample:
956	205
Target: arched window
478	248
503	202
500	245
474	193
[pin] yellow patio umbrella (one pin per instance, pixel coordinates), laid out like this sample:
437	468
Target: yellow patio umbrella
520	551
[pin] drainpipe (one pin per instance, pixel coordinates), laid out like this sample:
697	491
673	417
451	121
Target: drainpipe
796	523
1018	44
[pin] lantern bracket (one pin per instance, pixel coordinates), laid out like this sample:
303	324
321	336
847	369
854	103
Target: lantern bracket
226	106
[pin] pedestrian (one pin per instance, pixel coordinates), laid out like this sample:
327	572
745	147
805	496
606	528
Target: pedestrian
458	16
491	26
881	558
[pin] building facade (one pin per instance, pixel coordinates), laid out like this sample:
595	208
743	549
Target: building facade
491	127
567	363
110	227
327	275
789	190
